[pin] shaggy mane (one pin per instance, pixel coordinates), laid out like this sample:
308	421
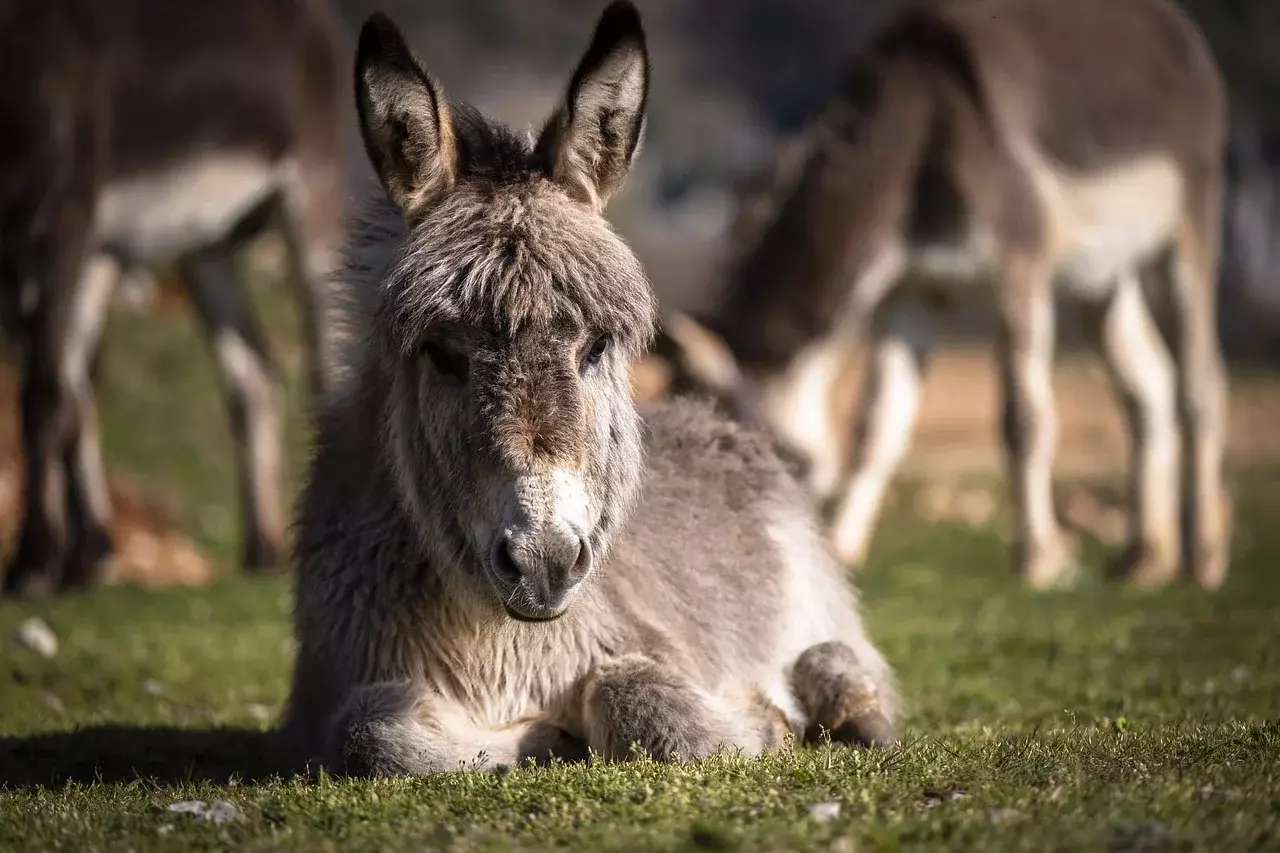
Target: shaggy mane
505	250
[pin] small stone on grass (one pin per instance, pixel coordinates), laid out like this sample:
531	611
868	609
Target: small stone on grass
824	812
219	811
36	636
933	796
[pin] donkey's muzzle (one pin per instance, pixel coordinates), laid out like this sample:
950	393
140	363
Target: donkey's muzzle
537	572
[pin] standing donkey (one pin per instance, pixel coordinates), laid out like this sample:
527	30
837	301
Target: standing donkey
138	132
488	568
995	149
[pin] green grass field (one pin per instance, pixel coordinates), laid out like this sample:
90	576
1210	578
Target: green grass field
1095	719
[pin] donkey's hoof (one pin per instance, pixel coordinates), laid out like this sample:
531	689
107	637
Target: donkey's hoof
88	576
1209	571
870	728
30	581
1210	553
92	565
1144	567
1050	567
263	558
850	551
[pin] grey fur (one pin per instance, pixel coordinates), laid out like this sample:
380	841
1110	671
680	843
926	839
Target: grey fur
701	578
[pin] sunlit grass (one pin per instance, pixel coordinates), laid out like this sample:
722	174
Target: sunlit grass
1090	719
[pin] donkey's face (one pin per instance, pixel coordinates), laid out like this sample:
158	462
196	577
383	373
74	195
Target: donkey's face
510	316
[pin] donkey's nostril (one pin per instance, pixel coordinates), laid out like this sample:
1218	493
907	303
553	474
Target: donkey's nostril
550	562
504	565
582	562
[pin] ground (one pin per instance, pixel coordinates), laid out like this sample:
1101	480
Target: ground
1096	718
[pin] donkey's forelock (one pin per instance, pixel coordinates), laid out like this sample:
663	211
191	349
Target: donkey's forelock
508	258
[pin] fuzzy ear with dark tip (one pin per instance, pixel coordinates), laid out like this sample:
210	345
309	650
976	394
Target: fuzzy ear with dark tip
590	141
404	120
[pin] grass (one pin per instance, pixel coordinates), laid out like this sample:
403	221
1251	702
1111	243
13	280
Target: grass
1084	720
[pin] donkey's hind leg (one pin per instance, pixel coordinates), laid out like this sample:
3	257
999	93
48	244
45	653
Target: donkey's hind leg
841	696
1142	370
1202	390
254	393
89	502
399	729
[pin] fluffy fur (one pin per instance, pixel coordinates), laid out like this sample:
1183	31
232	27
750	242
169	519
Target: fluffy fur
498	557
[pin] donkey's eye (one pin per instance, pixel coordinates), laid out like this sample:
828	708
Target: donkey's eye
446	362
595	352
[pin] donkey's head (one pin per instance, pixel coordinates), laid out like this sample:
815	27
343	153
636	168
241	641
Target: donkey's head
510	314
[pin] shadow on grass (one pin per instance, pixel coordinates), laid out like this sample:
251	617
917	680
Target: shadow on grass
169	756
128	753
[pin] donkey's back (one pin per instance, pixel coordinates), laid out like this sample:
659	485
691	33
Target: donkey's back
1114	112
983	127
200	105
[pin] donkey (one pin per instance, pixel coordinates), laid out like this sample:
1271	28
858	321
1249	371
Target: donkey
488	569
137	133
1001	150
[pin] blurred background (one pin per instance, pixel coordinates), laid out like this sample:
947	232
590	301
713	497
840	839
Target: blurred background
732	78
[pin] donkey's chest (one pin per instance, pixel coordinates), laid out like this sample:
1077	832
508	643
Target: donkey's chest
516	675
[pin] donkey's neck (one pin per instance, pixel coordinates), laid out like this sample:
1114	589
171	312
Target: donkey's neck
502	670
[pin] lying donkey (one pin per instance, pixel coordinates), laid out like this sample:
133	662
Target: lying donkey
142	132
994	149
487	565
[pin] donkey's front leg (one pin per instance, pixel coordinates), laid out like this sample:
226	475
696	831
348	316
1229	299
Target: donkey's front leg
56	547
255	398
840	695
400	729
636	701
887	412
1030	422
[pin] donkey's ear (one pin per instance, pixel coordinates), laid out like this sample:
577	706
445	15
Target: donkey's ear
404	120
590	141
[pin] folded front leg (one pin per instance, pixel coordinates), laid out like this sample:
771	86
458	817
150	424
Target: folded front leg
399	729
635	700
840	695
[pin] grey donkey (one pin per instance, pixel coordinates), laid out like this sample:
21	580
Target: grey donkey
1006	152
499	559
137	134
